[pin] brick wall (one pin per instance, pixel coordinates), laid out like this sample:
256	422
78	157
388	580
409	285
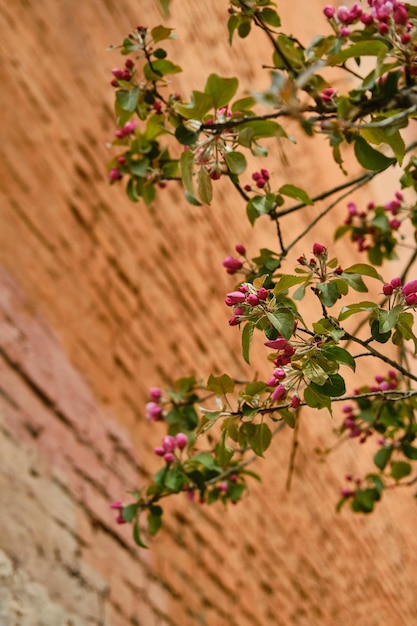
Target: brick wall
101	299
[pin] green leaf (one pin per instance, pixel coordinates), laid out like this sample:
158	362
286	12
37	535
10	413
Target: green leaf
409	451
204	185
355	281
220	89
224	453
139	168
206	460
288	417
283	321
329	293
165	7
235	491
377	335
159	33
296	192
186	166
127	100
186	136
340	355
287	281
271	17
364	500
247	334
358	307
236	162
363	48
220	385
200	104
261	439
334	387
364	270
160	68
314	372
129	512
316	400
154	519
382	457
136	536
174	479
370	158
400	469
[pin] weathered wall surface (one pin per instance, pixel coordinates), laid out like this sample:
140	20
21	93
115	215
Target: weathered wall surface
101	299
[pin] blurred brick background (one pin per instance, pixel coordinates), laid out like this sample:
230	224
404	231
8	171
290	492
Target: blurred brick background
101	299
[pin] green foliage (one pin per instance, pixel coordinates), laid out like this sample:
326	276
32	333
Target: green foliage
209	134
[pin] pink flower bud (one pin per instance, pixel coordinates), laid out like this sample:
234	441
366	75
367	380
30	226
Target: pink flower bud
234	321
169	457
277	344
223	486
153	411
272	382
279	373
411	299
384	386
117	73
295	401
263	293
396	282
115	174
387	289
129	64
344	31
346	493
319	250
235	297
231	264
240	249
410	287
328	11
159	451
238	310
252	299
181	440
279	393
120	519
155	394
168	443
265	174
366	19
116	505
342	13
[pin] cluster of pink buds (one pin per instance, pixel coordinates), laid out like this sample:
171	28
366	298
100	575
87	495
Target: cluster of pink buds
245	297
128	129
385	383
153	408
408	292
320	254
350	423
232	264
169	445
261	179
363	228
347	492
115	174
284	351
122	74
383	13
118	506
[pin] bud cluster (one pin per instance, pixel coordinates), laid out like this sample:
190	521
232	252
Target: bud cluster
169	445
386	15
